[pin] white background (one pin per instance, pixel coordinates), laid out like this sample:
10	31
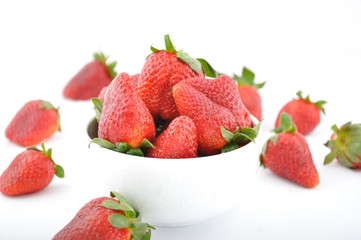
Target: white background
314	46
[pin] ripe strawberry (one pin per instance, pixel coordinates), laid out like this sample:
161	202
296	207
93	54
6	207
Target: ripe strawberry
223	91
305	114
134	77
30	171
162	70
211	104
124	116
287	154
345	145
105	218
248	91
179	140
90	80
33	123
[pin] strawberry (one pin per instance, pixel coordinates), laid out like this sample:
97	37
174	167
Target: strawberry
124	116
287	154
305	114
161	71
106	218
30	171
211	104
33	123
248	91
134	77
179	140
345	145
90	80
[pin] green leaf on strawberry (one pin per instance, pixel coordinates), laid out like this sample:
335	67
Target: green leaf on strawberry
59	170
196	64
123	147
244	136
247	78
110	66
345	145
98	106
48	106
130	219
318	104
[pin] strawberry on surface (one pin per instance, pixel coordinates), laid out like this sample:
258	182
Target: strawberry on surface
106	218
179	140
305	114
90	80
30	171
287	154
248	91
161	71
345	145
124	116
33	123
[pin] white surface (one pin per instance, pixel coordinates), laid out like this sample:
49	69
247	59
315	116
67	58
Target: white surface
312	46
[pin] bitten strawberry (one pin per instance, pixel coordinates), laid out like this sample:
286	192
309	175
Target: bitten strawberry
211	104
248	91
124	116
162	70
33	123
179	140
90	80
106	218
345	145
305	114
287	154
30	171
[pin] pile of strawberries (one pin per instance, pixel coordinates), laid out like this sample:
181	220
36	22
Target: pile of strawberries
176	107
172	109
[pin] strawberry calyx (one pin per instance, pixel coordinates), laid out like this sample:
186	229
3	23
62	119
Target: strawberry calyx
110	66
124	147
98	106
48	106
247	79
131	219
286	126
59	170
346	145
196	64
239	138
318	104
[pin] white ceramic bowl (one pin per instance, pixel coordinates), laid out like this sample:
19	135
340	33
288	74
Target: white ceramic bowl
177	192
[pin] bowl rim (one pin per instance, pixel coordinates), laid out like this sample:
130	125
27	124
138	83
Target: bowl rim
203	158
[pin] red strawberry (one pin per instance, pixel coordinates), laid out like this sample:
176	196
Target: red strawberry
287	154
90	80
134	77
223	91
33	123
105	218
305	114
179	140
162	70
248	91
211	104
345	145
30	171
124	116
